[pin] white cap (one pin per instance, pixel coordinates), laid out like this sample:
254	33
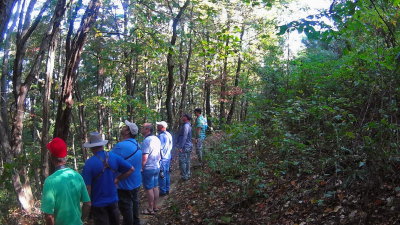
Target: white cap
162	123
132	127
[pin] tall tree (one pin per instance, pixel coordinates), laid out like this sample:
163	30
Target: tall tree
170	61
21	88
224	75
185	79
237	75
74	48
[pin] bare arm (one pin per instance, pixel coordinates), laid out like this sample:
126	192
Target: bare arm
89	189
198	129
124	175
85	210
144	159
49	219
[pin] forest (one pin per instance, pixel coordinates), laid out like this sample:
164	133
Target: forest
307	137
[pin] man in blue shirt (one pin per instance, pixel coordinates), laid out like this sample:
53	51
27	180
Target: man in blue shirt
166	147
100	174
184	146
128	188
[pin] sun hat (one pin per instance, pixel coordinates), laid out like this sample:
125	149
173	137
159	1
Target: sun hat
57	147
132	127
162	123
95	139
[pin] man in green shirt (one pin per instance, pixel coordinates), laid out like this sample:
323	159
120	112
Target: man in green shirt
64	190
200	133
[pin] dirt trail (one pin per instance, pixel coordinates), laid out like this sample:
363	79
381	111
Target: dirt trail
175	182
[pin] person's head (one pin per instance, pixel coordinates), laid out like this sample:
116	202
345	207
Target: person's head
146	129
58	151
96	142
186	118
197	111
161	126
130	130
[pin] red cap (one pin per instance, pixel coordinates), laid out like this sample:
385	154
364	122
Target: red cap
57	147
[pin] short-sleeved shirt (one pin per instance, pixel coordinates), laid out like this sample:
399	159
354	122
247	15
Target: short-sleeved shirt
63	191
201	122
125	149
184	137
151	145
103	189
166	145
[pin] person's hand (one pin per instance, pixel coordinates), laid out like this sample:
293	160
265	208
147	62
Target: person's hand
116	181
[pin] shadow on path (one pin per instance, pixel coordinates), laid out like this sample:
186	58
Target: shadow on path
175	183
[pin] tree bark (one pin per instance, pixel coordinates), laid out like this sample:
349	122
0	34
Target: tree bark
5	74
82	122
100	84
73	53
6	7
46	108
21	88
170	63
223	78
238	69
207	83
185	79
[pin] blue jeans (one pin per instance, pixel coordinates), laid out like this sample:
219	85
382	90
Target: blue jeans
199	149
184	163
164	182
150	178
129	206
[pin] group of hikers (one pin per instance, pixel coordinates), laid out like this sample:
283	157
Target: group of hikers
110	180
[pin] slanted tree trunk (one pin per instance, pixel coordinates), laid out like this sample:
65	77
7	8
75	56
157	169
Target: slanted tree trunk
21	88
73	53
236	85
171	64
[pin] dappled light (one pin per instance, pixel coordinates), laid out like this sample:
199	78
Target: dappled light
200	112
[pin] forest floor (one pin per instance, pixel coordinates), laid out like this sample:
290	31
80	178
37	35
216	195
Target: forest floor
208	198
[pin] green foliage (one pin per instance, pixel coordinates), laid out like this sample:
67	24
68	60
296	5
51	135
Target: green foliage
334	113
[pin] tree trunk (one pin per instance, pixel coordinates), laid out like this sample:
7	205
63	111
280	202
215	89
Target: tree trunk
20	89
73	53
239	64
170	63
6	7
46	108
5	76
100	84
82	122
184	85
207	83
223	78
